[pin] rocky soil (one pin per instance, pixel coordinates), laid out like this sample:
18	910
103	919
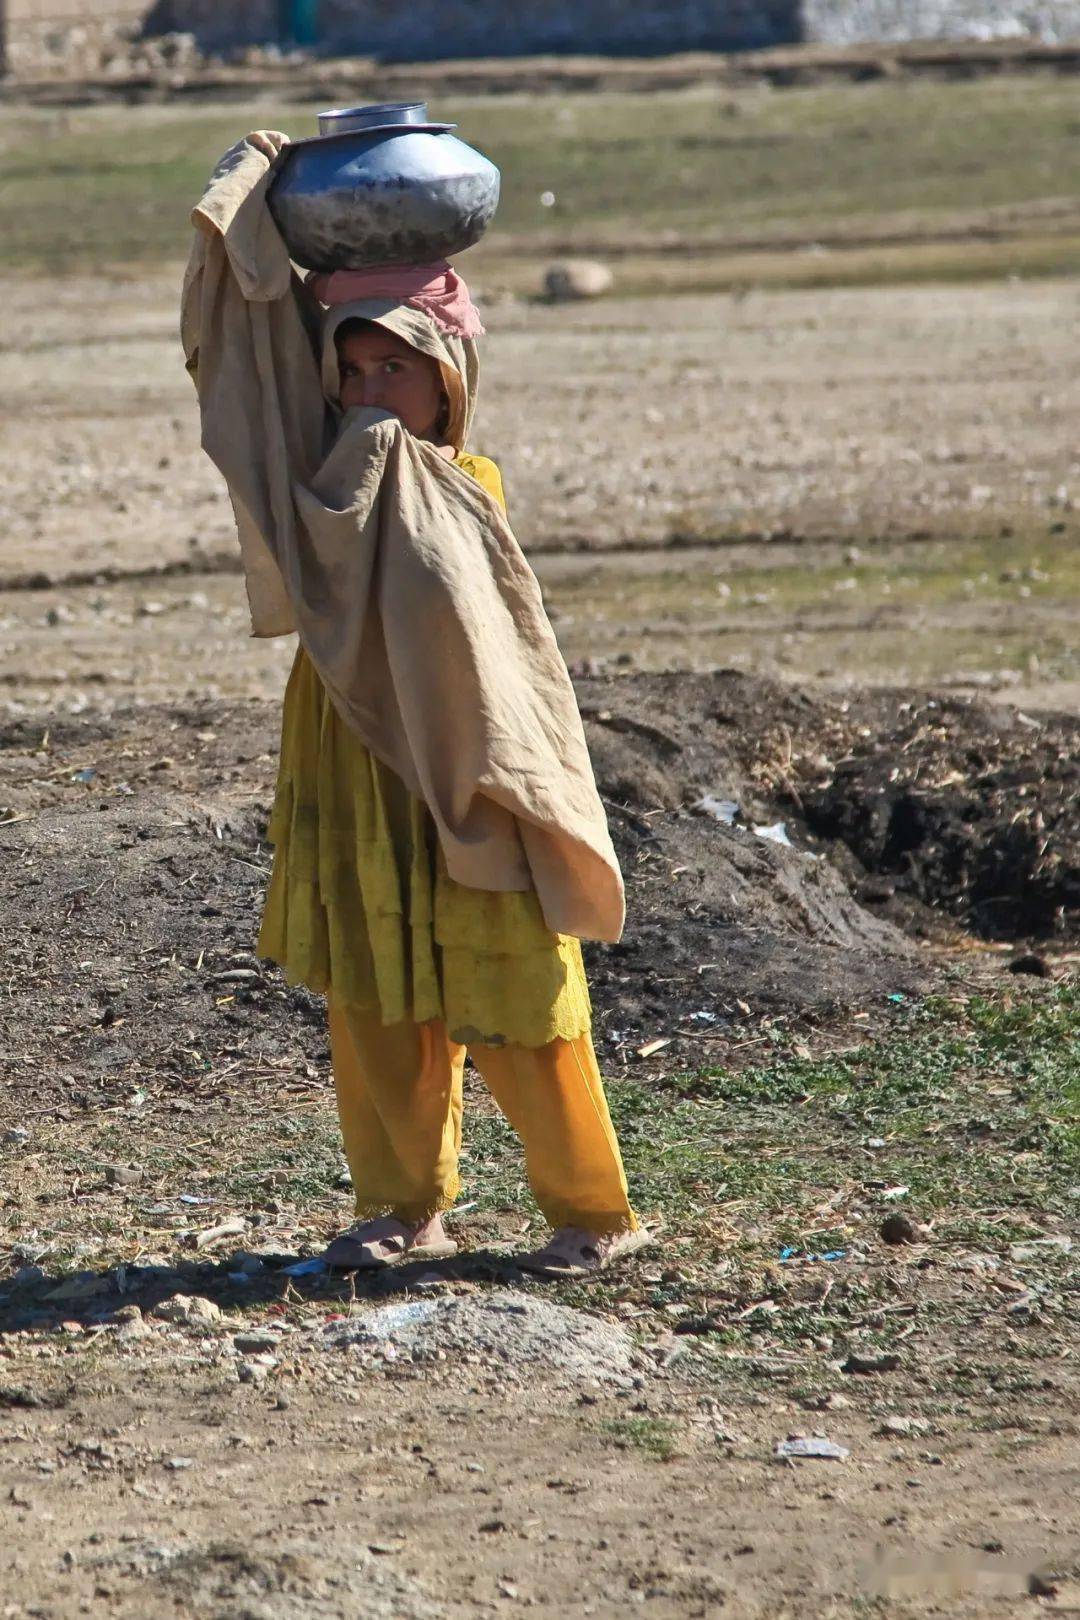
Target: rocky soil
870	1222
782	854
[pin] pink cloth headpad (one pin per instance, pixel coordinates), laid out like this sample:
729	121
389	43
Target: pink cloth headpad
437	289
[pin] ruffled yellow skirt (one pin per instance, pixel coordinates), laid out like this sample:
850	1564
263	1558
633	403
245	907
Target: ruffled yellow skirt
360	901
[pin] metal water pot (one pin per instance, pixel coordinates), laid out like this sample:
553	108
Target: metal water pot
381	185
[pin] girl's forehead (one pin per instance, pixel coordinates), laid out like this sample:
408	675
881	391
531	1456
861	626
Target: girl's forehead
374	342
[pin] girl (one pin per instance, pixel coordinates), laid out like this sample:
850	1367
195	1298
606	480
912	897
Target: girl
436	826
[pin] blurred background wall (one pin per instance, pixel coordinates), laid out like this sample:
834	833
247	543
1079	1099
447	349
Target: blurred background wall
418	29
33	32
851	22
84	38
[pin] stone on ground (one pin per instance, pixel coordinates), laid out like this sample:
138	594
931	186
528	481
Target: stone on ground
506	1329
578	278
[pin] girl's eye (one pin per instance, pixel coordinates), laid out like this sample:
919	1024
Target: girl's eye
393	366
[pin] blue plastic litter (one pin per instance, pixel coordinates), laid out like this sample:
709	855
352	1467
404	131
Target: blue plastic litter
795	1254
306	1268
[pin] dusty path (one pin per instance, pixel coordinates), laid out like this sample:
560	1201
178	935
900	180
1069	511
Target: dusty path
440	1495
885	481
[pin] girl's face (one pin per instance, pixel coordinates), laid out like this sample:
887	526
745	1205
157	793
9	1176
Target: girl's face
381	370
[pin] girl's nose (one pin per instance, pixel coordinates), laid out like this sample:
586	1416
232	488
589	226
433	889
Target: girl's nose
372	391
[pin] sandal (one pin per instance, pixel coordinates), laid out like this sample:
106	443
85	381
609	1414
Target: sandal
574	1252
385	1241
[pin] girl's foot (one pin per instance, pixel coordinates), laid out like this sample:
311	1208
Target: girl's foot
386	1241
574	1252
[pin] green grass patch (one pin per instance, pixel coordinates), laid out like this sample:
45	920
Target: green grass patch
973	1107
939	608
655	1437
982	571
839	166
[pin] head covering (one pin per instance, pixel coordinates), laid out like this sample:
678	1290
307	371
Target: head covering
411	596
457	357
437	289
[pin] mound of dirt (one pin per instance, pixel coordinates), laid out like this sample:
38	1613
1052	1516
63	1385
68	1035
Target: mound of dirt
972	811
301	1580
715	909
133	873
514	1332
957	806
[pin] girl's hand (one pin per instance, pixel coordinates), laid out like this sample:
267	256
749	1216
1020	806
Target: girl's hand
447	452
268	141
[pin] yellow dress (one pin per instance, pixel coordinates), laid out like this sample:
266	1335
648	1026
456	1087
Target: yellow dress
360	901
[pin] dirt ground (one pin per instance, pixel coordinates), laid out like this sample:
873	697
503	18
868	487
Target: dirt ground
808	858
846	485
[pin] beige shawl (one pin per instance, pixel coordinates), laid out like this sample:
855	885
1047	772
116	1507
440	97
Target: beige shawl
401	575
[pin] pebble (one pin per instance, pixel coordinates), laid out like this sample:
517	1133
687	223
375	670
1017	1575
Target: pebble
250	1265
898	1228
123	1175
866	1365
132	1332
899	1427
578	278
830	1401
131	1325
252	1372
798	1445
188	1310
255	1340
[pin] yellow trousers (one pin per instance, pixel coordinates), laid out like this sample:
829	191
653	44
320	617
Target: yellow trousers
399	1093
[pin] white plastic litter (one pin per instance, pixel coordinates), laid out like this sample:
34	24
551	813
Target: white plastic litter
777	833
812	1446
726	811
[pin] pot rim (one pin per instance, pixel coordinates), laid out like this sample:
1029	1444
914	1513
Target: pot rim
372	129
376	118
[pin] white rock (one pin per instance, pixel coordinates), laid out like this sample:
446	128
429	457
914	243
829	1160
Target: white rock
252	1372
578	278
188	1310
